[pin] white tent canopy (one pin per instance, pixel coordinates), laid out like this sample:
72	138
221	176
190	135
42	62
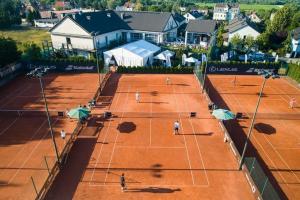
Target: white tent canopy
139	53
164	55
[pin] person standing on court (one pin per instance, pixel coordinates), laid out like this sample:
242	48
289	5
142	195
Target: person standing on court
292	102
122	182
168	81
137	97
63	135
176	127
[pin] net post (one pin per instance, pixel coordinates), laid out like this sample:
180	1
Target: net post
34	186
46	162
263	189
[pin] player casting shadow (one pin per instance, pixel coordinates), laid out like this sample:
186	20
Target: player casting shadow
265	128
126	127
181	84
262	95
238	135
153	190
154	93
155	102
199	134
156	170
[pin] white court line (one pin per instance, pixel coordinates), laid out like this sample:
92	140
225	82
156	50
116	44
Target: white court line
186	149
116	138
150	147
151	122
12	123
102	144
148	186
253	135
14	97
199	151
12	94
29	156
280	157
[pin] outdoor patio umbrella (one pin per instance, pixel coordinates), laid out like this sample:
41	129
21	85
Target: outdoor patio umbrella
191	60
78	113
223	114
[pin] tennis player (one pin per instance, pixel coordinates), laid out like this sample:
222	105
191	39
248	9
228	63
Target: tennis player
168	81
63	134
137	97
292	102
123	183
176	127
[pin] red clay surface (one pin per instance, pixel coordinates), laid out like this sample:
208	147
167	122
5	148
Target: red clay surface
25	140
276	134
196	164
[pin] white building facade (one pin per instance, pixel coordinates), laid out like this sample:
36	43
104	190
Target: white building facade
223	12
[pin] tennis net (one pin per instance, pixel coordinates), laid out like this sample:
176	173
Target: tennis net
172	115
29	113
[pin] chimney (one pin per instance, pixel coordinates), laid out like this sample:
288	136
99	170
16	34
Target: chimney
122	15
88	17
108	15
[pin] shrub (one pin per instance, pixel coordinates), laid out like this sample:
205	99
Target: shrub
294	72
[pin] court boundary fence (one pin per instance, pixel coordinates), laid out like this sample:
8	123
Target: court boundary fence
41	193
227	138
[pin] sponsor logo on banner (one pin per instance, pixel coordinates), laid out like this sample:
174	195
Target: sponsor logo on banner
73	67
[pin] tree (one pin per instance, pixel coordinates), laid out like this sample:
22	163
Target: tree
139	6
236	42
9	13
8	51
263	41
295	21
111	4
281	21
249	43
31	51
220	33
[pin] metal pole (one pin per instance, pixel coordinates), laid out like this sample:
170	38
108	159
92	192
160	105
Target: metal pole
49	120
98	69
252	124
34	186
204	75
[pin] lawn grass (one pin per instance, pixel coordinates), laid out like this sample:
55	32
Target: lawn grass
246	6
26	34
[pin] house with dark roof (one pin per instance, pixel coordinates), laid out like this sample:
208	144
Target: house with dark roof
192	15
295	42
200	32
241	27
86	32
226	11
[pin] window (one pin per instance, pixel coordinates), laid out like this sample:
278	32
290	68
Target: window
68	40
136	36
151	38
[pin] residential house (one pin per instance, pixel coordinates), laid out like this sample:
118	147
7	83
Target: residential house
192	15
295	42
242	27
180	20
204	11
45	23
128	6
254	18
46	14
225	11
83	33
60	14
200	32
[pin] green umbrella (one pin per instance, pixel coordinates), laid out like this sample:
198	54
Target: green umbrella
223	114
78	113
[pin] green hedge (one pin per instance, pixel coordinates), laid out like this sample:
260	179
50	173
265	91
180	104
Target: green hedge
155	70
294	72
68	61
265	65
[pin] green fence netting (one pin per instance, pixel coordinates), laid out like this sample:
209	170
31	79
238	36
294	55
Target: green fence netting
261	181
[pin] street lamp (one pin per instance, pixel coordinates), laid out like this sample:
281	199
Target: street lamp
266	75
204	75
39	73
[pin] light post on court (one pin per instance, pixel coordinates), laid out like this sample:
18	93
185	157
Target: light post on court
266	75
204	57
39	73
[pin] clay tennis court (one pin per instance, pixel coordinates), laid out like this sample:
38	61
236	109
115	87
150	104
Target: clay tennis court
24	136
138	140
276	133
